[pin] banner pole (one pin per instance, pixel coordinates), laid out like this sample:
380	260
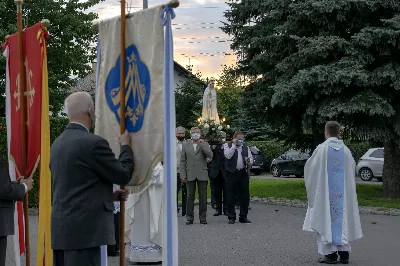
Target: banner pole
21	91
122	128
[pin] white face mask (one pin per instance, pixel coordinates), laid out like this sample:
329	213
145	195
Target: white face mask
195	136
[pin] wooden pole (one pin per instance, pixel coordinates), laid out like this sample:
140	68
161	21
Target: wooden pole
122	128
23	124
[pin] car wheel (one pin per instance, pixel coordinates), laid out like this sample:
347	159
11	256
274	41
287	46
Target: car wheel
275	171
366	174
257	172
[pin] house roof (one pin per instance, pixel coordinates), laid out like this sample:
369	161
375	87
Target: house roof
88	83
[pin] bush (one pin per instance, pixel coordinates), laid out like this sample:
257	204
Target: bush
57	126
272	149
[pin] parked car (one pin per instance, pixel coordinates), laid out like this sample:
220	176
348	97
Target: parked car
258	161
370	165
289	163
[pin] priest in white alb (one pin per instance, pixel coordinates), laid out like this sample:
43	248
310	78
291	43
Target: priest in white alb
332	213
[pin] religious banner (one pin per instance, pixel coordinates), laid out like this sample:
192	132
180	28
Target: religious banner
144	114
37	127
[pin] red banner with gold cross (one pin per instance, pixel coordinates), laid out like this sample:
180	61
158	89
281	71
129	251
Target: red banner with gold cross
37	136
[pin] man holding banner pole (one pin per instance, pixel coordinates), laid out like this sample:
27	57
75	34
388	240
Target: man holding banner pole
84	169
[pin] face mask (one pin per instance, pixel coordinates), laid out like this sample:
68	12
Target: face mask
240	142
195	136
180	138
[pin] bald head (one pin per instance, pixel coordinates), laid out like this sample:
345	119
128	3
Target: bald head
78	104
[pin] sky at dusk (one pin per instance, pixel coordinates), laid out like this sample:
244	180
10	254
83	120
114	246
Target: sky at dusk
196	31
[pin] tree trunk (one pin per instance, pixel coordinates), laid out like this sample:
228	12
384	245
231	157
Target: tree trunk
391	171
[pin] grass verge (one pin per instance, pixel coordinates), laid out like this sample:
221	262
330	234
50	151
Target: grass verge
368	195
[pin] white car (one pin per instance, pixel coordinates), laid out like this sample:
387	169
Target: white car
370	165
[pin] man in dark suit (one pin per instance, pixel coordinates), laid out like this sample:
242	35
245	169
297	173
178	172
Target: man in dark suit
238	159
217	175
9	193
84	169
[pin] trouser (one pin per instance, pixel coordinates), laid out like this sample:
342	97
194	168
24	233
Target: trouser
212	188
87	257
3	250
238	180
202	191
220	193
184	195
115	248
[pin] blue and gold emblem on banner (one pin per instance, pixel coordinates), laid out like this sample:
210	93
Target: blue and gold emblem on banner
137	89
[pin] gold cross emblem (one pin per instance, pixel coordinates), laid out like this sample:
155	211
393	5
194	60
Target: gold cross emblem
30	91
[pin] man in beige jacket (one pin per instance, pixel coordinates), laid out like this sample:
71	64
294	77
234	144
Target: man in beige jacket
193	170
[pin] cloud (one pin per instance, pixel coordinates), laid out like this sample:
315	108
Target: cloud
196	29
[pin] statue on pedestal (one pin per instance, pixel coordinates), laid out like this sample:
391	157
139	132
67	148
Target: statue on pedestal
210	103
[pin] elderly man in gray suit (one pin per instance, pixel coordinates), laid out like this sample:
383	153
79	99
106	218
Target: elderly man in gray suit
9	193
193	170
84	169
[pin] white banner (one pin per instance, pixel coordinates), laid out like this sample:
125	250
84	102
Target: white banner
144	85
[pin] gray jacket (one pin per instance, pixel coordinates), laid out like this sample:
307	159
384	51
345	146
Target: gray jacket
194	162
84	170
9	193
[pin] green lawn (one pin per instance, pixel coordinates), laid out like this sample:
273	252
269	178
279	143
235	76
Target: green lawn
368	195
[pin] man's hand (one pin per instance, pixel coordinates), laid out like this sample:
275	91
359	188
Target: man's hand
209	160
125	139
201	141
28	182
184	180
234	141
120	194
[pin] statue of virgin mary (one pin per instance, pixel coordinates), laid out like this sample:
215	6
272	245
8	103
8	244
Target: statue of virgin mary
210	103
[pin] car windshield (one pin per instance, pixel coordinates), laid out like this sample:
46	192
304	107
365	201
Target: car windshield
254	150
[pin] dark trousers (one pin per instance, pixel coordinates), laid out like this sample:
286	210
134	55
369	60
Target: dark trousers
184	195
115	248
3	250
237	182
212	188
202	191
220	193
87	257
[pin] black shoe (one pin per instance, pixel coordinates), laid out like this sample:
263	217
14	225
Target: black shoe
244	221
113	253
327	260
183	214
203	222
231	221
344	257
217	213
189	222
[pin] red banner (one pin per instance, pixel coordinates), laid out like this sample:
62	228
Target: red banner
32	97
32	79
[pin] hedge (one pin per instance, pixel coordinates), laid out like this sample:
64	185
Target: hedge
57	126
272	149
269	149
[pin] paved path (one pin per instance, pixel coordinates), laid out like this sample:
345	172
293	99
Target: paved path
274	238
290	178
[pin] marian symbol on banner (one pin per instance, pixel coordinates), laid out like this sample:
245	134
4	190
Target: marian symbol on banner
137	89
30	91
